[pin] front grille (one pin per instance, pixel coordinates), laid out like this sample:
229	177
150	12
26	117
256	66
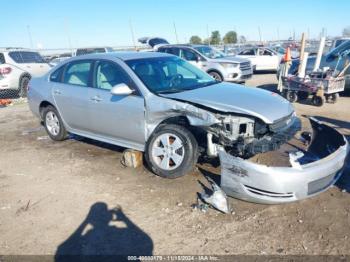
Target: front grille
245	66
320	184
268	193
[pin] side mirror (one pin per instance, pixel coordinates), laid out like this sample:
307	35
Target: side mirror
121	90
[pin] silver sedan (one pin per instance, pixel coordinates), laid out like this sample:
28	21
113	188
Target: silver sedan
173	112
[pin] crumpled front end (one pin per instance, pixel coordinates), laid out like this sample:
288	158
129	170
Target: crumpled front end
310	172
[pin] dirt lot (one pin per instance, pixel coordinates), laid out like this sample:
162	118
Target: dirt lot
54	197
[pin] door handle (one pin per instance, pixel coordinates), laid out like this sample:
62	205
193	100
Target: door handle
96	99
57	92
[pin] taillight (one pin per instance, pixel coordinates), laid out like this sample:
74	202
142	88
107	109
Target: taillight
5	70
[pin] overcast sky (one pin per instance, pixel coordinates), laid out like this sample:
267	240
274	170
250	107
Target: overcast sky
107	22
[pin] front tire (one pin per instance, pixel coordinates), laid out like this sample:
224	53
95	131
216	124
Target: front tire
216	76
171	151
53	124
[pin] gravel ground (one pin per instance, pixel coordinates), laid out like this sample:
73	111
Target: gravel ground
75	196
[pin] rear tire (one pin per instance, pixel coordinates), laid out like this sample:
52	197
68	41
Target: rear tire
332	98
291	96
23	86
54	124
318	100
171	151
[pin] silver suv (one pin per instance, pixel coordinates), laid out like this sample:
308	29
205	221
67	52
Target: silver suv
217	64
18	66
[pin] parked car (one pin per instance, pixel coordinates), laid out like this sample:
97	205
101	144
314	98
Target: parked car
58	60
18	66
172	111
281	51
92	50
337	42
332	60
217	64
262	58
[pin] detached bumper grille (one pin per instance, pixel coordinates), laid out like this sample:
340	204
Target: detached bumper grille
268	193
245	66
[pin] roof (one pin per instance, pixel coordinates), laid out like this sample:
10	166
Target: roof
183	45
125	55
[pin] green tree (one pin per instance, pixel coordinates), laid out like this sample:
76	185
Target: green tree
215	38
195	39
230	37
346	31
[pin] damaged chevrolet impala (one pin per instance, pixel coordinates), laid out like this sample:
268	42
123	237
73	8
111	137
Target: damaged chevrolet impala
174	112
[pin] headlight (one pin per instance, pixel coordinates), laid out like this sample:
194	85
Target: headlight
229	65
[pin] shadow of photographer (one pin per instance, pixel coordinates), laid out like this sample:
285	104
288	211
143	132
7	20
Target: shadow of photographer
97	237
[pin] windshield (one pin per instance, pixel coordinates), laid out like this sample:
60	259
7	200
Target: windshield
163	75
209	52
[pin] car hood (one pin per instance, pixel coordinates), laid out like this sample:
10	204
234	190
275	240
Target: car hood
226	97
231	59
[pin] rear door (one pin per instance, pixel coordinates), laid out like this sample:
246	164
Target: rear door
70	93
117	117
268	60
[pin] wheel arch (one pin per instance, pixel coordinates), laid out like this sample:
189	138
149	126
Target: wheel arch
215	71
181	120
43	105
24	74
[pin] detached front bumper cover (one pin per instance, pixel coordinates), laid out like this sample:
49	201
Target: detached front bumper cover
311	172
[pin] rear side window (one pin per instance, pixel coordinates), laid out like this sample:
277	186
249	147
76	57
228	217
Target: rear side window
78	73
2	59
26	57
57	75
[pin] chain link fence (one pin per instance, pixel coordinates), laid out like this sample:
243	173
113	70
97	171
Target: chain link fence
9	94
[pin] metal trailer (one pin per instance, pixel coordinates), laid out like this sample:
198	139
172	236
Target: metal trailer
318	85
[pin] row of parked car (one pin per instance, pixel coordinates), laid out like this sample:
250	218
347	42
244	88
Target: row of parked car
17	65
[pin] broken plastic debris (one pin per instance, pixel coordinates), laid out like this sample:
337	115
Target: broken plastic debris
42	138
217	199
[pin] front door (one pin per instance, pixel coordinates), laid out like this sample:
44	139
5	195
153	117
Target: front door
117	117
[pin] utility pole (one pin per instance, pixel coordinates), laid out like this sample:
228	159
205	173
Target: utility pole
68	35
132	34
208	34
30	37
260	34
177	39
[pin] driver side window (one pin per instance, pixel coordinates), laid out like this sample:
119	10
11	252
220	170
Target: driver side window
108	75
188	55
248	52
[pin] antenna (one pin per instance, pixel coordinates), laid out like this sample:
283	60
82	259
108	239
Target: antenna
177	39
132	34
